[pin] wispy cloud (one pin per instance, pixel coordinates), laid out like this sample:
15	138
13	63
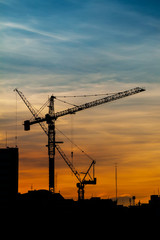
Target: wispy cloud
32	30
7	2
81	43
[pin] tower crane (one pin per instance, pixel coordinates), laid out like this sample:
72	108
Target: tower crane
51	118
82	181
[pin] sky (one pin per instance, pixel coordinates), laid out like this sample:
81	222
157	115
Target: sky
73	47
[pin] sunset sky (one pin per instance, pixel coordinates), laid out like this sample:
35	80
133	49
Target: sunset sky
77	47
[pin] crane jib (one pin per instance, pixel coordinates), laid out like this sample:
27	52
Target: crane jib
73	110
99	102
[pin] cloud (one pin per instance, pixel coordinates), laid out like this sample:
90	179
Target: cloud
18	26
90	46
7	2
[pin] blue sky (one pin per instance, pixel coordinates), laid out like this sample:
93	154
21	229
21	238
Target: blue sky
74	40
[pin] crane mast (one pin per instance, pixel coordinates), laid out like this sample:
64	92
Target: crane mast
50	132
50	119
51	146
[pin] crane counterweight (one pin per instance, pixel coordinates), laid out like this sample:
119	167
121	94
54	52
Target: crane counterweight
27	125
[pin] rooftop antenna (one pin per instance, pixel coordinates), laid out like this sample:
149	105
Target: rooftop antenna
116	180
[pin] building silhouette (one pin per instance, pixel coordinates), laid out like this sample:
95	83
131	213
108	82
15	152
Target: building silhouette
45	203
9	158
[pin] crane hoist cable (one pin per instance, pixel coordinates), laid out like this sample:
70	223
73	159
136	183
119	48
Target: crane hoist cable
71	130
75	145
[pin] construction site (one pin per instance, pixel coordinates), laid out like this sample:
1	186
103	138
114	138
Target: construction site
49	199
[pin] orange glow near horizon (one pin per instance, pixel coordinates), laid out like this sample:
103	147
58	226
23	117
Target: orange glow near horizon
125	132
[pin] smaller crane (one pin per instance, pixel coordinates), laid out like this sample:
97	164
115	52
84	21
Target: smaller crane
82	182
